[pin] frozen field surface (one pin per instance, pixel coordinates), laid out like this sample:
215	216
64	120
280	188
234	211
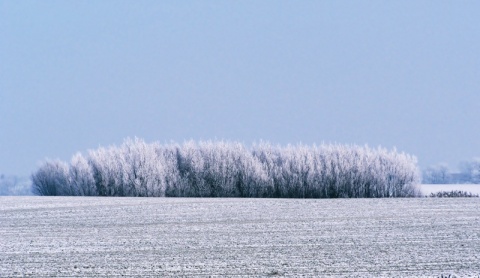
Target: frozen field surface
156	237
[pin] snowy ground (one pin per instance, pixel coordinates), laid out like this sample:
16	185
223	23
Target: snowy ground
149	237
433	188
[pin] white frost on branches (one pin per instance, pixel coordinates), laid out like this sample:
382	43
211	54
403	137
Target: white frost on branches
229	169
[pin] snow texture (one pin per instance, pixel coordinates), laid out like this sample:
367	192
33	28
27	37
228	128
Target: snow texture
218	237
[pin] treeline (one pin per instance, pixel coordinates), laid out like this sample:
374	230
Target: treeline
15	186
469	172
229	169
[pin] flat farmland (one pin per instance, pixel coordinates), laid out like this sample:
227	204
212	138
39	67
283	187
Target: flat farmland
193	237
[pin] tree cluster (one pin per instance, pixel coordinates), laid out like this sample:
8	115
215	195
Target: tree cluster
441	174
15	186
229	169
437	174
471	170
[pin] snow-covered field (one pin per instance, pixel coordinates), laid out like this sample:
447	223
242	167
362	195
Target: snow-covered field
149	237
433	188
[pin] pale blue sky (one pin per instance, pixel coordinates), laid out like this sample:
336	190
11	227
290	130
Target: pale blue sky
75	75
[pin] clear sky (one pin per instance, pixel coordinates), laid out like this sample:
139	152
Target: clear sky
76	75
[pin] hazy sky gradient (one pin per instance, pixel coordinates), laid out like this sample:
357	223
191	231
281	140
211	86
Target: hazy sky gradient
75	75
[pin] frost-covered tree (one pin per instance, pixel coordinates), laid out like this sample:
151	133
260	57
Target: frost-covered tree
51	179
133	169
105	165
141	168
214	169
229	169
15	186
437	174
471	169
80	176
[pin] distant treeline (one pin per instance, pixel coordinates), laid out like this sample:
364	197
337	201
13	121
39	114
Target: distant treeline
15	186
440	174
229	169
